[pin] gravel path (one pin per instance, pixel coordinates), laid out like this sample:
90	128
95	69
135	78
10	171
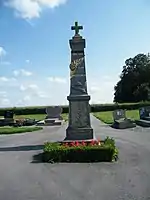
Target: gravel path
22	179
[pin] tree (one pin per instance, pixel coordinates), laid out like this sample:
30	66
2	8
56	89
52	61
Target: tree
134	83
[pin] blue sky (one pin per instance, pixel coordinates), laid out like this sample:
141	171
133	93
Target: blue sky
35	54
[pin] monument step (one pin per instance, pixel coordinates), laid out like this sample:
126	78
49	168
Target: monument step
79	134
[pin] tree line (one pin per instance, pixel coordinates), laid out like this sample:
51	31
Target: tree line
134	83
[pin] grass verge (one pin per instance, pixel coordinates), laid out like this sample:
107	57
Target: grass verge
105	151
65	116
13	130
107	116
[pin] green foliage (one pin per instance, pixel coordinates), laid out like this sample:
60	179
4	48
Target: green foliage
39	112
106	152
30	110
13	130
134	83
65	116
124	106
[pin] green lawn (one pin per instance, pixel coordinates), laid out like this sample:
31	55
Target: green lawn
37	116
13	130
107	116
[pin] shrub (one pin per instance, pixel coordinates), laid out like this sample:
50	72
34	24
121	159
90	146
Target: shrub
80	152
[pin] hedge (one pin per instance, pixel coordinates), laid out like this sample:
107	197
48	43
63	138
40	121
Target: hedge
94	108
55	152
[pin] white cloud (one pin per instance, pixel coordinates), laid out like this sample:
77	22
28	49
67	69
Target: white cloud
40	92
33	90
2	51
57	79
25	73
16	73
4	102
32	87
5	63
22	72
29	9
3	94
27	61
7	82
102	90
27	98
5	79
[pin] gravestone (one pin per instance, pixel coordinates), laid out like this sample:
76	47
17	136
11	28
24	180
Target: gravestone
53	117
119	114
121	121
79	125
144	114
8	114
53	112
8	118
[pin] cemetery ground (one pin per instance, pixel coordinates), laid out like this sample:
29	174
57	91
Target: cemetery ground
23	177
107	116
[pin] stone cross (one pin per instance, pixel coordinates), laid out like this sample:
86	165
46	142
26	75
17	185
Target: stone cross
79	124
76	28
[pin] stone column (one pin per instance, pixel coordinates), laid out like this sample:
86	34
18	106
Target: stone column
79	127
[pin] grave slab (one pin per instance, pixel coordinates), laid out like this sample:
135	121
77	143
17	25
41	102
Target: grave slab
121	121
144	114
53	117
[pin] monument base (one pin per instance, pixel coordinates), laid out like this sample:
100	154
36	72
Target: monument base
79	134
123	124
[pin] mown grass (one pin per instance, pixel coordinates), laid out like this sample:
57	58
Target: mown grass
37	116
14	130
107	116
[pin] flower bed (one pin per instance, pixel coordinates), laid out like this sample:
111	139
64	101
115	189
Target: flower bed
93	151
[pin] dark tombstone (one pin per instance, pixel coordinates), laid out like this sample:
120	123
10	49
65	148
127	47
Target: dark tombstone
8	114
119	115
121	121
8	118
144	114
79	127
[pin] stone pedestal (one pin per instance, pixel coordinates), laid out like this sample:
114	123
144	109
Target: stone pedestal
79	127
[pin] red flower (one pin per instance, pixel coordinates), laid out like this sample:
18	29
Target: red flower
92	142
72	144
77	143
83	143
